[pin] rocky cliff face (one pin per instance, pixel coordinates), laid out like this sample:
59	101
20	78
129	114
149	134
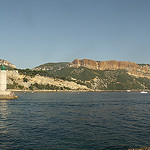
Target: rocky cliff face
103	65
6	63
131	67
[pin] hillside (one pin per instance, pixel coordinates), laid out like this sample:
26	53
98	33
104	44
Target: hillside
52	66
7	64
105	79
68	76
138	70
110	75
76	78
39	80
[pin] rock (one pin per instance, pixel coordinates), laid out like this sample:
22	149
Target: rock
7	95
103	65
131	67
6	63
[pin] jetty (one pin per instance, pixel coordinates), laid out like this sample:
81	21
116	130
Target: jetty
4	93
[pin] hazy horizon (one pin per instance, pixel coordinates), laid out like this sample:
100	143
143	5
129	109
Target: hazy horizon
37	32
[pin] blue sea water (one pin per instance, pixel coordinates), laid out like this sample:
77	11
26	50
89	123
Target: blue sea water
75	121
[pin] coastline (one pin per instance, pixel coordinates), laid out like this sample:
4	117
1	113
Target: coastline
15	90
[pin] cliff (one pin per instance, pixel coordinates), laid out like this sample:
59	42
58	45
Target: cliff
7	63
131	67
82	75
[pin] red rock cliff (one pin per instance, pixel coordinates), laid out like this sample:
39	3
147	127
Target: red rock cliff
131	67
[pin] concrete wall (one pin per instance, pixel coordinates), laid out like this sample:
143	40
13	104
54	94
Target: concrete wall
3	80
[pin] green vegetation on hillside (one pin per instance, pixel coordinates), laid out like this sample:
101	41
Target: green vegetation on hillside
37	86
15	86
52	66
83	74
94	79
32	73
145	82
105	80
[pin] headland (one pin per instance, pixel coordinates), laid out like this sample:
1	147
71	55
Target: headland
81	75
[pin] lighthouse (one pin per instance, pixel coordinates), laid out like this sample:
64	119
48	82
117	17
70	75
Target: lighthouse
3	79
4	93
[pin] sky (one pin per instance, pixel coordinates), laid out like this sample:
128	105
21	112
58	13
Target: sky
34	32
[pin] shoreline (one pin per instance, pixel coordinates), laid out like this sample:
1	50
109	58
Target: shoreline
15	90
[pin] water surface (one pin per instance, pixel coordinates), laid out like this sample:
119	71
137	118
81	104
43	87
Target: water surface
74	121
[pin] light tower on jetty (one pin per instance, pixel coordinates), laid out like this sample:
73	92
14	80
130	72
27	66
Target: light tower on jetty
4	93
3	79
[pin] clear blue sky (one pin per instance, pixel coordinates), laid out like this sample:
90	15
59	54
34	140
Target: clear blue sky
33	32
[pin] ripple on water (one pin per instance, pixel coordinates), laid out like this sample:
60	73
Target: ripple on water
99	121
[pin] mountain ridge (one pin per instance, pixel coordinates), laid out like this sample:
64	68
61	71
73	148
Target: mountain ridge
113	75
139	70
131	67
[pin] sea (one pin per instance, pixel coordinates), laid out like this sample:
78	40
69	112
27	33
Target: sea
75	121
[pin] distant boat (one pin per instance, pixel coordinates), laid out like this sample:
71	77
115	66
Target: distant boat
128	90
143	92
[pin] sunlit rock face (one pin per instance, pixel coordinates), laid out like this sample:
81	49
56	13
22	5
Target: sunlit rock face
131	67
91	64
6	63
103	65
